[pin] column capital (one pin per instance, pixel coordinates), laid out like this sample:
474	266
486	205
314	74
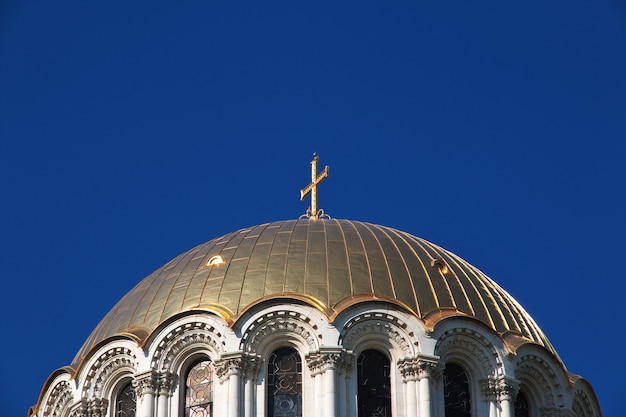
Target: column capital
419	366
251	364
165	383
324	359
229	364
489	388
507	388
97	407
80	409
345	362
145	383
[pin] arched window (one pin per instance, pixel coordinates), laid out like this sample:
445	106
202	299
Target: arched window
522	406
374	392
284	383
456	391
126	401
199	390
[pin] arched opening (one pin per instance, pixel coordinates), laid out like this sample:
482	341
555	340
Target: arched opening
199	390
522	405
456	391
284	383
126	401
374	384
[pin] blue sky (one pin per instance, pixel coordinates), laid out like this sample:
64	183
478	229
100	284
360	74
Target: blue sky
133	131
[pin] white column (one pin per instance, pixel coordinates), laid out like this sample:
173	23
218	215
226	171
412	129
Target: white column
507	391
233	395
164	392
489	389
250	373
329	392
323	366
145	386
409	370
229	369
351	395
344	365
427	367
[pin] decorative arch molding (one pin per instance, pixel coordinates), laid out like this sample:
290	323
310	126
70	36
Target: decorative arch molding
581	405
105	370
59	401
393	330
276	325
471	348
534	372
176	346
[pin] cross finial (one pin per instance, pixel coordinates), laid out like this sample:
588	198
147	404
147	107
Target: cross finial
313	212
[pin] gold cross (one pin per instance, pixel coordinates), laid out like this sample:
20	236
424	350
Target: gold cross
312	213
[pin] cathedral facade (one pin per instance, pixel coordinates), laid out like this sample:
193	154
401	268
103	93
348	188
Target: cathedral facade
317	317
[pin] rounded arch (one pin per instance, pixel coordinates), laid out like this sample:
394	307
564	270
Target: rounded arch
584	401
185	339
470	349
115	361
274	329
381	331
540	381
59	399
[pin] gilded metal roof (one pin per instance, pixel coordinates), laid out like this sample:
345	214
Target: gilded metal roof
330	264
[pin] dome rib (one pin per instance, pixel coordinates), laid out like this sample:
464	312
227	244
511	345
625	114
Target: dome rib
330	264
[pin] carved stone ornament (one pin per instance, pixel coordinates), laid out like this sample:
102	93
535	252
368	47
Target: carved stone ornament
59	400
534	370
320	362
145	383
183	337
482	351
251	366
281	322
107	365
489	388
581	405
97	407
165	383
345	362
227	366
507	388
366	324
418	367
558	412
80	409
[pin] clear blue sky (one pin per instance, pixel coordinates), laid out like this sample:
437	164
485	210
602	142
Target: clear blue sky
133	131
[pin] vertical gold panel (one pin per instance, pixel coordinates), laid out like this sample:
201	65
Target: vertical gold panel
329	260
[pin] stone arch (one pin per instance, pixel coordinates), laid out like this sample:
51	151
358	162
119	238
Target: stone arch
378	329
289	327
59	401
185	340
470	348
581	405
107	369
536	375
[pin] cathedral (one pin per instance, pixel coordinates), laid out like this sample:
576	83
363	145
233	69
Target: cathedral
316	317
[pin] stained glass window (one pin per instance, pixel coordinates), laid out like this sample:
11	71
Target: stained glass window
126	402
456	391
522	408
374	392
284	384
199	390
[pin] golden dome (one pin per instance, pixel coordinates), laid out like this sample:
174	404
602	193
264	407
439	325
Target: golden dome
330	264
